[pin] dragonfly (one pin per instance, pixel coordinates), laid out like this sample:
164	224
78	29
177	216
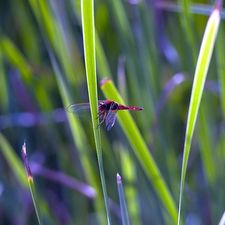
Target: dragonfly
107	110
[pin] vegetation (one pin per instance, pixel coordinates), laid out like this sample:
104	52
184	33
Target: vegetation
151	167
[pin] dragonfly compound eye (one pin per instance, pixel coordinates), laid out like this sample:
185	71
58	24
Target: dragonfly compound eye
114	106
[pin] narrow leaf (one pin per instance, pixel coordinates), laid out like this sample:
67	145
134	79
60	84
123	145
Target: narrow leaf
204	58
87	12
141	150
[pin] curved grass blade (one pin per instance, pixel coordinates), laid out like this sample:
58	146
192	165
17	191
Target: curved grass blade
11	52
197	89
87	12
16	58
141	150
203	135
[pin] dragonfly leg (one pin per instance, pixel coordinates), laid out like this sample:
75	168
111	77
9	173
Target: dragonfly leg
101	115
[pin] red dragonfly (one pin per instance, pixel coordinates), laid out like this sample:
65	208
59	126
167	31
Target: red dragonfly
106	111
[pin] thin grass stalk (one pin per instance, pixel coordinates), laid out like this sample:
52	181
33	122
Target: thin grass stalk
31	182
186	21
17	167
87	12
203	62
79	137
4	98
28	34
54	33
131	192
220	56
123	205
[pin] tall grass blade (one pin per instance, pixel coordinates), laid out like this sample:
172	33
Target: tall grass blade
87	12
203	62
44	17
79	136
141	150
203	136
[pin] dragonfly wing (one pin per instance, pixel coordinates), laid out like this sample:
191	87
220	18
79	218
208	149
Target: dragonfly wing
110	119
78	107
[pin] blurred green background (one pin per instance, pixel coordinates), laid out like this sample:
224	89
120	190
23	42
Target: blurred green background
149	49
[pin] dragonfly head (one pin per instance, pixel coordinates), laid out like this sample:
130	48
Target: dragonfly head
114	106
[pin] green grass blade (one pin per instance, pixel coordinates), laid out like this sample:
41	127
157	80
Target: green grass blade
52	30
13	160
221	65
203	135
102	63
79	137
87	12
43	17
15	57
204	58
123	206
4	98
141	150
